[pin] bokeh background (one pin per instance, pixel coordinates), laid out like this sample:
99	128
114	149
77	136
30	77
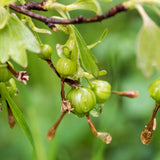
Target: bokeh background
123	118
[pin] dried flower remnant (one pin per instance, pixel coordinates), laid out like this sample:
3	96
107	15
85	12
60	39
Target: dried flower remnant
66	106
104	136
146	135
20	76
23	77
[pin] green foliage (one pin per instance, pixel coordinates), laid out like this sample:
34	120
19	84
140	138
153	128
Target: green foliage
148	45
4	15
14	40
87	58
42	99
17	113
92	5
6	2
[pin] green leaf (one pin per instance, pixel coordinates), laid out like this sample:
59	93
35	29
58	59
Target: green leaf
6	2
17	113
100	40
92	5
4	15
87	59
4	44
14	40
148	45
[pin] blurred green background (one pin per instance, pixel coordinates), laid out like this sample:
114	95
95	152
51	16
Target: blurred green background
123	118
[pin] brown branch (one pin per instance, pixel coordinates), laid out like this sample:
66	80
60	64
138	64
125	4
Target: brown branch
51	21
35	6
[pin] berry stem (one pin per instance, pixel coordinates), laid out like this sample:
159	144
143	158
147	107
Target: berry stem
104	136
91	125
62	89
52	130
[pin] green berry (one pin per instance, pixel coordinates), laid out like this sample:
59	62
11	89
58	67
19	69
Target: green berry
66	67
154	90
46	52
82	99
5	74
102	90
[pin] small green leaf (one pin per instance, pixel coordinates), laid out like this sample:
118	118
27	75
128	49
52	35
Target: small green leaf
17	113
92	5
148	45
102	72
6	2
100	40
4	15
14	40
87	59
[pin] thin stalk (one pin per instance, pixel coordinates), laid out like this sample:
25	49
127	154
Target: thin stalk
52	130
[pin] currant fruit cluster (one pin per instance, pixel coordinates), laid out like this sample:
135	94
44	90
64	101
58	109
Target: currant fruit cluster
83	99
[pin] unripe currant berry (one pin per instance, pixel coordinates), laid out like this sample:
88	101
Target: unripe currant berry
102	90
82	99
46	52
154	90
12	88
5	74
66	67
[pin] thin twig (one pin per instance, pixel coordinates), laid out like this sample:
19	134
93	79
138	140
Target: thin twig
51	21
